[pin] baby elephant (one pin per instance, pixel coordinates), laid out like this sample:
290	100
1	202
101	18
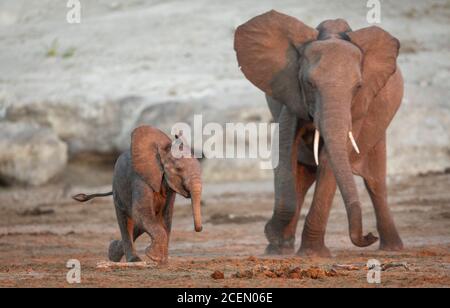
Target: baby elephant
146	180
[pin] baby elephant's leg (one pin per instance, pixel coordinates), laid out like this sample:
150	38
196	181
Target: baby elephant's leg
168	212
126	226
115	252
158	250
144	213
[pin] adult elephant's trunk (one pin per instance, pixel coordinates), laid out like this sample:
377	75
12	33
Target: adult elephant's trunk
196	197
334	125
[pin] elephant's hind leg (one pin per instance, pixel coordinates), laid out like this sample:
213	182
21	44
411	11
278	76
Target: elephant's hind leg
375	181
126	226
305	177
116	252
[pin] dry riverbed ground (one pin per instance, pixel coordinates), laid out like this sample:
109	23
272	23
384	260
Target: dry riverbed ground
42	228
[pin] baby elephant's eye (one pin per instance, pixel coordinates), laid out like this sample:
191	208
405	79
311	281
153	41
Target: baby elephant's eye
310	84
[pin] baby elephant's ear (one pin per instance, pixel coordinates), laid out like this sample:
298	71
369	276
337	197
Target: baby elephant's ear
146	143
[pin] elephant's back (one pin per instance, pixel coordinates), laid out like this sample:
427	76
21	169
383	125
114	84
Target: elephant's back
122	176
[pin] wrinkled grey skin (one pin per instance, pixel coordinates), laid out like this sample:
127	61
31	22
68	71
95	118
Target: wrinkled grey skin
146	181
128	185
281	228
139	209
345	85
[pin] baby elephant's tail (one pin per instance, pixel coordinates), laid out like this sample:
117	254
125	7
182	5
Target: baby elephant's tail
84	197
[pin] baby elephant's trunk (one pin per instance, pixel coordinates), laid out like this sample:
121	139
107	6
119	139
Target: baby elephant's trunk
196	197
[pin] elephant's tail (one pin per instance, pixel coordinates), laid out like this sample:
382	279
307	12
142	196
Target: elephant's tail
84	197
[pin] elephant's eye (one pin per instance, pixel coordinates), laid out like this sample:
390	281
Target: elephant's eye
357	87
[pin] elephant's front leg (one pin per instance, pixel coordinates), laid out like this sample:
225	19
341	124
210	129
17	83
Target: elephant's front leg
375	181
279	228
313	236
158	251
145	215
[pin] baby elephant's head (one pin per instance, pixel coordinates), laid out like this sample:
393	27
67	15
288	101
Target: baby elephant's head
155	158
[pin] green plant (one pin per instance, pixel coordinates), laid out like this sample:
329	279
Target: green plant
52	49
70	52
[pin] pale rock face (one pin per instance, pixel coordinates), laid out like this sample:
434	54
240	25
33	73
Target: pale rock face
85	128
30	155
151	62
418	137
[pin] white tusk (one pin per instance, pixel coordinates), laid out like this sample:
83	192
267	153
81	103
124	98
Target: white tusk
316	146
355	146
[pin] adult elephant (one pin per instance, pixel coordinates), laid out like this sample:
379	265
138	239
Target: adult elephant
334	92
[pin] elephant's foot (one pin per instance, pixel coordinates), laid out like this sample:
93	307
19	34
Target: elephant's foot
272	249
314	250
389	238
323	252
133	259
115	251
278	244
391	245
157	253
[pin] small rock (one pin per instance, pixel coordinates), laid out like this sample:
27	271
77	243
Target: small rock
37	212
347	267
218	275
269	274
123	265
252	259
389	265
314	273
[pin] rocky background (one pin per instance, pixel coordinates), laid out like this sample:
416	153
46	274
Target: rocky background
67	90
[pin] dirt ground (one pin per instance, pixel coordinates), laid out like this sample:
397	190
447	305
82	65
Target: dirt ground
41	229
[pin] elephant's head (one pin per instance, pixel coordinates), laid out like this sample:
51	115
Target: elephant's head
327	75
153	161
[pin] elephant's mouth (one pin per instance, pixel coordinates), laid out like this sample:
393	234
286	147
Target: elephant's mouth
317	139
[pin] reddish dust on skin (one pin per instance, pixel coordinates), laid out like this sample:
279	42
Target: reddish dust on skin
36	244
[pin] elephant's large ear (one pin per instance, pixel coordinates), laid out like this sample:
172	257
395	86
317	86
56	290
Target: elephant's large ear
267	52
380	51
146	143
